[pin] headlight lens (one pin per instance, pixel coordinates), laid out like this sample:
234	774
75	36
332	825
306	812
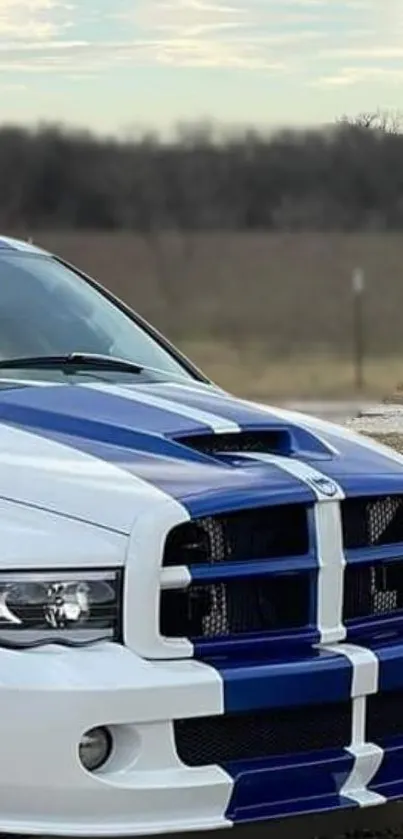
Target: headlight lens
72	608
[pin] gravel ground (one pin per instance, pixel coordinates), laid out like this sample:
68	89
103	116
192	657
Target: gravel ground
384	423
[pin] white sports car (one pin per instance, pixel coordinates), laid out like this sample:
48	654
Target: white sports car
201	598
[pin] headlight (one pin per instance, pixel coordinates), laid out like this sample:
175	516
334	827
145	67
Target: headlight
72	608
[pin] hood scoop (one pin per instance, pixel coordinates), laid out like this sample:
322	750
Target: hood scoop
284	442
258	442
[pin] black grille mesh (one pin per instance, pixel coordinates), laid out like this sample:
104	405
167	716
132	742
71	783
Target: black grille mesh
263	442
211	740
236	607
384	715
371	590
260	533
275	603
375	521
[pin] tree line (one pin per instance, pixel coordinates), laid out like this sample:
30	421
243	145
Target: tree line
347	176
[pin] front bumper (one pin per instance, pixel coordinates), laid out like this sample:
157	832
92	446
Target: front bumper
326	826
49	697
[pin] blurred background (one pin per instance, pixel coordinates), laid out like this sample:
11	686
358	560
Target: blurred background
275	260
193	156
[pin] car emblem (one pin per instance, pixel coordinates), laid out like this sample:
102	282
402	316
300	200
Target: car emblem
325	485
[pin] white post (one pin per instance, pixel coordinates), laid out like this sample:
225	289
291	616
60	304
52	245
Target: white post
358	289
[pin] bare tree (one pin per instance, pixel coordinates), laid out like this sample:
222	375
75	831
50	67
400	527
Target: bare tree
385	121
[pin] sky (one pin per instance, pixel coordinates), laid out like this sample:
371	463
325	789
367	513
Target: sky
120	66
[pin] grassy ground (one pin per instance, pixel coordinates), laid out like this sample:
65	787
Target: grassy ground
248	372
293	291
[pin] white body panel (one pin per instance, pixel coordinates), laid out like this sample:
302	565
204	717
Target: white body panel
50	697
43	473
34	539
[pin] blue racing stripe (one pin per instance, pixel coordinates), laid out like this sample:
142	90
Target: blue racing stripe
390	659
388	780
248	418
221	404
91	428
248	568
359	470
256	647
82	403
289	786
315	677
202	485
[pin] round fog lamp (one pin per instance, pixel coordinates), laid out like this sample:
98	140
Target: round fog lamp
94	748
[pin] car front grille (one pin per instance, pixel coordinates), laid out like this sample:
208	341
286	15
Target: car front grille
243	737
373	590
244	535
226	600
373	587
236	607
370	522
254	572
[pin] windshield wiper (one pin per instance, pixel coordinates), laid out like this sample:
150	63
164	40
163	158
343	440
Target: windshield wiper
70	363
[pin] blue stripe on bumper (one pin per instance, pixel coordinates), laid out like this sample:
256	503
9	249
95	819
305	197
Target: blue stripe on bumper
289	786
390	666
319	676
389	779
311	678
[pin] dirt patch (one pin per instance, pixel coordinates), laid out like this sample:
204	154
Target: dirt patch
248	370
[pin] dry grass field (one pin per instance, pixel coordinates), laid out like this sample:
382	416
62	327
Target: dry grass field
263	314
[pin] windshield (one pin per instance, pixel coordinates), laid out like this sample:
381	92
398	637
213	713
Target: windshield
48	309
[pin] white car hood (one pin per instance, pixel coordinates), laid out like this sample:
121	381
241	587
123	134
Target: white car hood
108	455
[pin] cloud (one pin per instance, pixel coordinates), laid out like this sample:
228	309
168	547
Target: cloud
33	19
185	33
366	52
12	87
247	34
369	53
312	39
349	76
257	34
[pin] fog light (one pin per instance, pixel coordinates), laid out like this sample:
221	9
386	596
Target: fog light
94	748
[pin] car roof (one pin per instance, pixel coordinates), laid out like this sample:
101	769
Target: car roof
8	243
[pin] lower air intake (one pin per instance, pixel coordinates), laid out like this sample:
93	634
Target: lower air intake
384	716
238	737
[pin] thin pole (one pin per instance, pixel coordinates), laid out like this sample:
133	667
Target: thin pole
358	288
